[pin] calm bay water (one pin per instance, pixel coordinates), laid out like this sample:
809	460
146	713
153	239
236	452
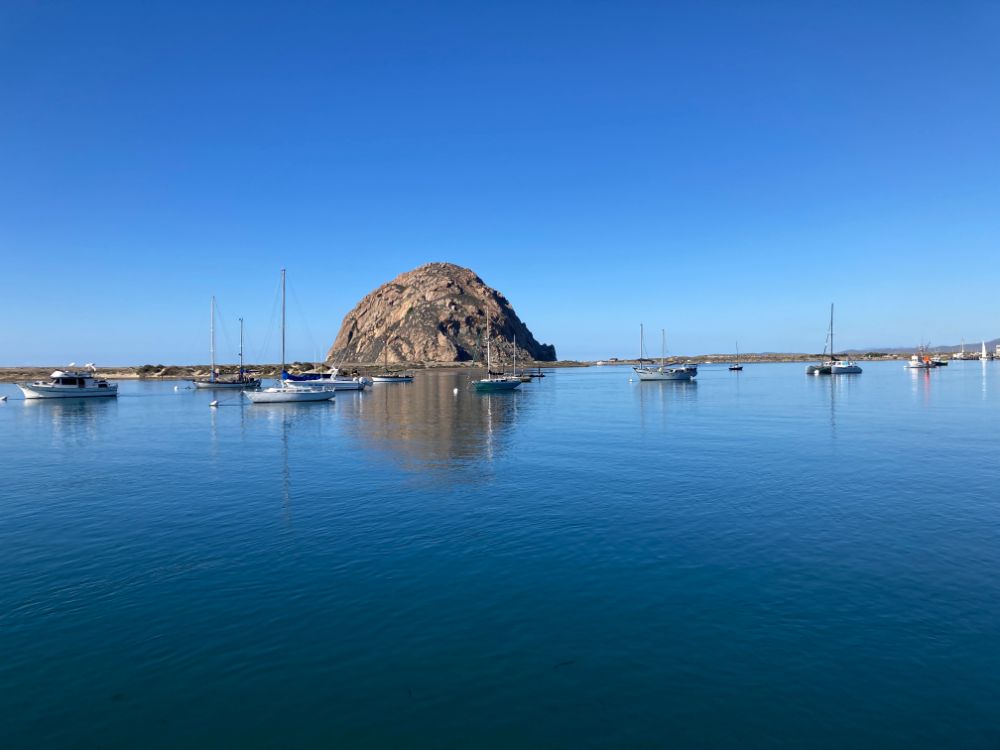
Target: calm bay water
761	559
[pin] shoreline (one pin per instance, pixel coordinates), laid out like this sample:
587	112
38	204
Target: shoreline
13	374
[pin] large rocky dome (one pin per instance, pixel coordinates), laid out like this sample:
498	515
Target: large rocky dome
434	313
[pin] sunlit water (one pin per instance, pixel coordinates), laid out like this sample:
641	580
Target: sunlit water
757	560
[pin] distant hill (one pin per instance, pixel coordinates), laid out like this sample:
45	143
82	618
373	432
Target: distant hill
970	346
434	313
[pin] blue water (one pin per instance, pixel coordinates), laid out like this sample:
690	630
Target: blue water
758	560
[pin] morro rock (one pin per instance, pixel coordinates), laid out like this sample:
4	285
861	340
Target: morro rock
434	313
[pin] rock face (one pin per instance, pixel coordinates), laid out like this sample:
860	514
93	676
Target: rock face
434	313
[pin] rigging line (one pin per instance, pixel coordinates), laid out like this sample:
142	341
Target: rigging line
305	320
220	320
271	324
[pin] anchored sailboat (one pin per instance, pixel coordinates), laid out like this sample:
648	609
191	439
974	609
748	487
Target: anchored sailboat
242	380
736	366
500	382
663	372
391	377
289	392
833	366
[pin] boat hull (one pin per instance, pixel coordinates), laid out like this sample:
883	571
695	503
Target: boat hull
338	384
290	395
845	370
223	385
33	391
392	379
663	373
489	386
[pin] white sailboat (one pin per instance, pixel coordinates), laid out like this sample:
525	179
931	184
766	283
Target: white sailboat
663	372
288	392
984	355
499	382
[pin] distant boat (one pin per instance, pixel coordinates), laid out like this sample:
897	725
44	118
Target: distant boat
838	366
70	384
332	379
242	380
984	355
391	377
736	366
288	393
663	372
833	366
490	382
921	360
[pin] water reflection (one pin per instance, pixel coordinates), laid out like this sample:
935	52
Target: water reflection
75	419
920	384
428	424
659	397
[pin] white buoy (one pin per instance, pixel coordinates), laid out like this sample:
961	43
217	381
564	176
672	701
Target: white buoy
630	380
214	404
454	391
177	387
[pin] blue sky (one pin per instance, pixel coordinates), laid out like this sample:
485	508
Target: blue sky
724	170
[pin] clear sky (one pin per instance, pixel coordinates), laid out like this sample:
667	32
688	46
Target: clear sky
724	170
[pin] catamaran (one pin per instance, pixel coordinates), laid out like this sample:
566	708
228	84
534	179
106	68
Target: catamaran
663	372
242	380
833	366
491	382
70	384
289	392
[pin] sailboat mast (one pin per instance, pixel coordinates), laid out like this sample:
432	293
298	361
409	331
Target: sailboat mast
832	355
282	321
489	365
663	345
642	344
241	347
211	336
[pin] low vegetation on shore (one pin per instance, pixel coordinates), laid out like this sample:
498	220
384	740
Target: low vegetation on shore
188	372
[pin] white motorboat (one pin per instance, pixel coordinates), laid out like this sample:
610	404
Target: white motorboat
70	384
663	371
288	391
495	382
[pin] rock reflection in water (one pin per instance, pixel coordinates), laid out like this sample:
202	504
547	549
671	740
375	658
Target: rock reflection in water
426	424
